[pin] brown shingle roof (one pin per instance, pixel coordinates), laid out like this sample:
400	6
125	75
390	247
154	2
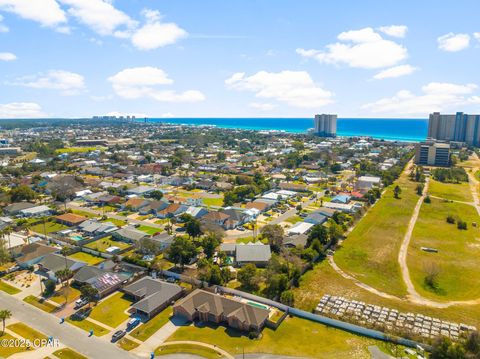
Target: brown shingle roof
71	218
200	300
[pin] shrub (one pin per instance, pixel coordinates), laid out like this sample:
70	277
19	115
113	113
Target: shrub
450	219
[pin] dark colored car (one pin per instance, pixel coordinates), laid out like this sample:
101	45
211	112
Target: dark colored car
118	335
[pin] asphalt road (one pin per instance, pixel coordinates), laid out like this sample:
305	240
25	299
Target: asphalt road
75	338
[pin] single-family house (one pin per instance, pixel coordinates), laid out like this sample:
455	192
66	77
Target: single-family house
129	234
31	254
300	228
152	295
209	307
104	281
37	211
252	252
54	262
70	219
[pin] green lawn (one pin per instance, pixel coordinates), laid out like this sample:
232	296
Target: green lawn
59	297
454	191
87	258
127	344
67	353
117	222
7	288
84	213
146	330
213	201
370	251
50	227
103	243
78	149
294	219
111	310
88	325
322	279
6	351
458	259
26	332
294	337
45	306
188	349
149	230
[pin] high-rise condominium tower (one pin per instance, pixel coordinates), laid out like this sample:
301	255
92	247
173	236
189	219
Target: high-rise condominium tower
326	125
459	127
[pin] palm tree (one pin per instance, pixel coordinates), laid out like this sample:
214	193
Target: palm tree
7	231
4	315
64	275
65	251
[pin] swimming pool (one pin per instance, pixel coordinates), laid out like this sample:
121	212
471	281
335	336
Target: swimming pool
77	238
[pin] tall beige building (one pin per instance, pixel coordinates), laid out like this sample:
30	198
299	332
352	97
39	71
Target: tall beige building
459	127
326	125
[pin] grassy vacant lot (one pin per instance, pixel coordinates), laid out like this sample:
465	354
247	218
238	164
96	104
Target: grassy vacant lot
370	251
294	219
212	201
84	213
67	353
148	229
102	244
117	222
86	257
146	330
50	227
188	349
458	259
6	351
59	297
26	332
45	306
111	310
295	337
7	288
88	325
454	191
127	344
78	149
324	280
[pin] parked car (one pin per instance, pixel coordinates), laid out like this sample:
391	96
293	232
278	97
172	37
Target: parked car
132	323
171	280
80	303
118	335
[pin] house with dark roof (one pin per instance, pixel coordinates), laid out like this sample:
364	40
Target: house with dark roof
252	252
315	218
53	262
95	228
104	281
32	253
129	234
153	207
172	210
152	295
15	208
208	307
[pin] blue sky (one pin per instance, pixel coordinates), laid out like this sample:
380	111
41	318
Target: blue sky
264	58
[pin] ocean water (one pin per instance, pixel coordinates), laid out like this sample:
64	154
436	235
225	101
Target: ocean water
380	128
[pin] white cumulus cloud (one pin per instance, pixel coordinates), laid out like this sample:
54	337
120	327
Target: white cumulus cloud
295	88
21	110
396	71
68	83
453	42
99	15
476	35
139	82
364	48
7	56
46	12
436	96
394	30
155	34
